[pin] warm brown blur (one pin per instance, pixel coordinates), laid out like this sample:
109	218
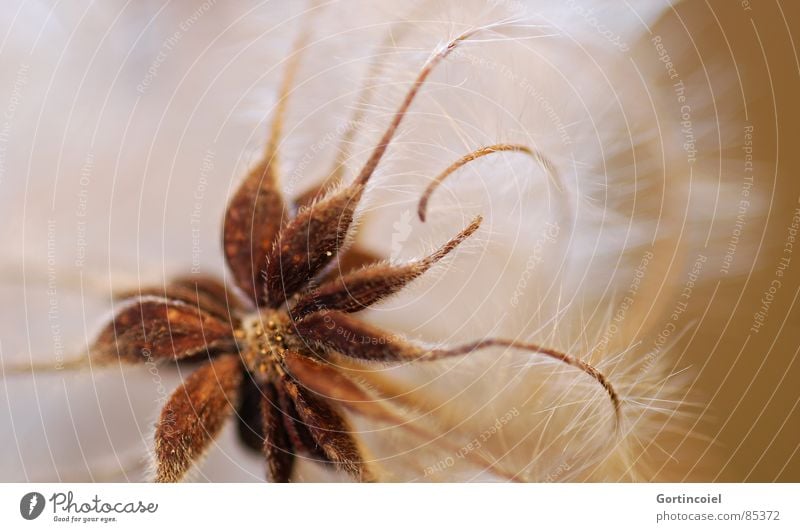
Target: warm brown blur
748	380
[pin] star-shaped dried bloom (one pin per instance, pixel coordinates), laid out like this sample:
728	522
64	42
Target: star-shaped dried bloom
265	355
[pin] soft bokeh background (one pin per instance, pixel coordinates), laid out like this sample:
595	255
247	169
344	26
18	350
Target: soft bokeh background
127	125
747	376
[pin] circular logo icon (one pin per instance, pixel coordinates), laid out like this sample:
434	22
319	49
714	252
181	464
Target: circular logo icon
31	505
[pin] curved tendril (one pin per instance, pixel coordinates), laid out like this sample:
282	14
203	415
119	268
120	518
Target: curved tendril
299	252
353	338
587	368
477	154
380	148
363	98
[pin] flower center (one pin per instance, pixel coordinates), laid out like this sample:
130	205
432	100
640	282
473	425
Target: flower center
267	337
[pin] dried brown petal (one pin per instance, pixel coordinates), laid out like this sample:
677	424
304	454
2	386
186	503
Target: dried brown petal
360	289
352	337
194	415
354	258
333	385
210	287
154	328
277	447
309	242
316	192
250	426
253	219
328	429
202	292
257	210
300	437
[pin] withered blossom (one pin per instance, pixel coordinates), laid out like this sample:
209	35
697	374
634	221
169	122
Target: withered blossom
265	351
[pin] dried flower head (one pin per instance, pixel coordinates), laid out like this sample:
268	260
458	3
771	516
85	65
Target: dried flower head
265	356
